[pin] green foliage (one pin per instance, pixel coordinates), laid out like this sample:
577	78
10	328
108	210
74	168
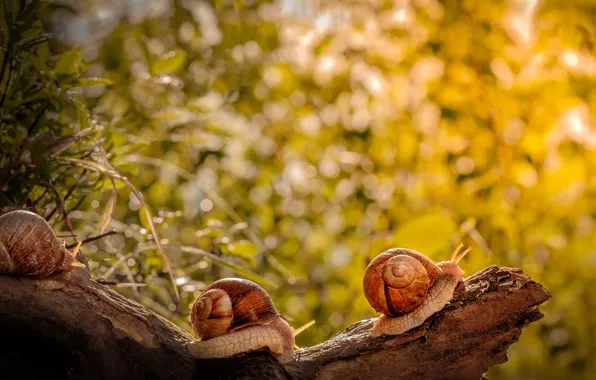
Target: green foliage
43	118
292	152
441	125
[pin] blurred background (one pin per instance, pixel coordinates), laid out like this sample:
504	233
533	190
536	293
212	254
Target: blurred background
291	142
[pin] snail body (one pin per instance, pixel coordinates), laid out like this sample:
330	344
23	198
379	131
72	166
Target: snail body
234	316
407	288
29	247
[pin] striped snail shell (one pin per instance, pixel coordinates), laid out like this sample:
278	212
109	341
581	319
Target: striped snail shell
230	304
397	281
235	316
408	288
29	247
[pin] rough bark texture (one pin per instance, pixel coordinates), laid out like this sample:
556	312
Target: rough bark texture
86	331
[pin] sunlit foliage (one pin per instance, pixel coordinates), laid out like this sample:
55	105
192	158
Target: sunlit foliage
292	147
46	131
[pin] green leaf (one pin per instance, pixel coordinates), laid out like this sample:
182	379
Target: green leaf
70	62
172	62
143	217
147	56
82	110
173	116
428	233
243	248
88	82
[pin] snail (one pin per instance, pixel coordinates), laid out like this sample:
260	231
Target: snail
29	247
407	288
234	316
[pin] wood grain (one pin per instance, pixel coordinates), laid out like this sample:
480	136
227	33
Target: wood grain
83	330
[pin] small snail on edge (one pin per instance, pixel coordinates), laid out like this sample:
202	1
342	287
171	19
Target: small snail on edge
407	288
234	316
29	247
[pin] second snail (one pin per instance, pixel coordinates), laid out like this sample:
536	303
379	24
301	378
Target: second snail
234	316
407	288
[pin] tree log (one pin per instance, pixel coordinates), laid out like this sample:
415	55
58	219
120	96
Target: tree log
84	330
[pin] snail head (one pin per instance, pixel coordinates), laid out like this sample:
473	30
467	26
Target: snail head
451	266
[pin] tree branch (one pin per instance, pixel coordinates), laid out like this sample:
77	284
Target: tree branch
85	330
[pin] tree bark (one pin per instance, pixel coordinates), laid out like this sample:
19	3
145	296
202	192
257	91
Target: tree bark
84	330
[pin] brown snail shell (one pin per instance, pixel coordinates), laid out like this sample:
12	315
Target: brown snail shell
230	304
29	247
397	281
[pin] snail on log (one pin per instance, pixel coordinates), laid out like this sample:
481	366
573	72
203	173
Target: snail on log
234	316
29	247
408	287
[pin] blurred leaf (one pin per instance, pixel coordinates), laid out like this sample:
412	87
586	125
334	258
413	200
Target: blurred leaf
172	62
143	217
70	62
243	248
147	56
86	82
82	110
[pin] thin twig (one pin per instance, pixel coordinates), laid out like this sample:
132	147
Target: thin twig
73	187
113	197
120	284
58	207
5	60
112	208
76	205
5	92
120	260
130	277
35	202
38	116
68	224
93	238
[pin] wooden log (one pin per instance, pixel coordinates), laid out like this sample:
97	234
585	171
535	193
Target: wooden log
84	330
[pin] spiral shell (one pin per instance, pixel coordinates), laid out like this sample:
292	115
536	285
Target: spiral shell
228	305
29	247
397	281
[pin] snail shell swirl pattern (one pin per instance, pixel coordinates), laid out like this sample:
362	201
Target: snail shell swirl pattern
408	288
235	316
228	305
397	281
